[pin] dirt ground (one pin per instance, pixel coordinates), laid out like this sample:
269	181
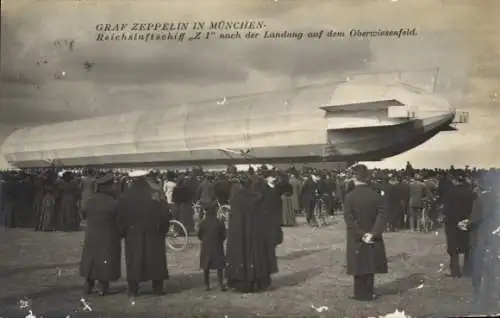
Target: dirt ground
41	270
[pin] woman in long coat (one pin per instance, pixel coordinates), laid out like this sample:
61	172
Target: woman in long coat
37	202
69	219
23	203
88	186
250	253
47	209
288	212
101	256
8	198
297	187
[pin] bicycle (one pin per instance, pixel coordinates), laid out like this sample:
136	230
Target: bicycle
320	212
222	210
177	236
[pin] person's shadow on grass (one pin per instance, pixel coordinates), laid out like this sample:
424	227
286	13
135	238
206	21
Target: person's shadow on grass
400	285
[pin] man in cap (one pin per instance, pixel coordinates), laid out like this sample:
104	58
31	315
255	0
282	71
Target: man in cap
144	219
365	218
101	256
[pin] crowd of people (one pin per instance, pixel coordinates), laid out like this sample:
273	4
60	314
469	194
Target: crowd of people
138	207
50	199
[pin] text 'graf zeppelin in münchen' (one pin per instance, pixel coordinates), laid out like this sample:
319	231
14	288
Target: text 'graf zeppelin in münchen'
244	29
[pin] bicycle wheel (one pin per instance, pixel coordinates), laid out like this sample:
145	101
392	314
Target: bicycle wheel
177	236
317	213
324	213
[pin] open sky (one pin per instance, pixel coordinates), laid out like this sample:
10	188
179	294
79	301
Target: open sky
458	37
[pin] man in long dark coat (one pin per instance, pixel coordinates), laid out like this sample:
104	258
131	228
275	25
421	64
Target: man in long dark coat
205	194
222	189
458	204
444	185
417	196
485	245
250	252
310	191
69	190
272	207
88	186
394	202
297	188
365	218
144	219
101	256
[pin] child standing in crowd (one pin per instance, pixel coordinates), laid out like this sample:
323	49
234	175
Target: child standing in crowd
212	234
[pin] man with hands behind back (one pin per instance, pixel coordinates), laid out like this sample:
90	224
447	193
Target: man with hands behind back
365	218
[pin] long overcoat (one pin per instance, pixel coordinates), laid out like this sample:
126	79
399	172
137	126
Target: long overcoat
68	209
101	256
458	203
37	200
394	202
250	252
484	221
88	189
297	187
288	212
271	206
365	212
144	221
212	233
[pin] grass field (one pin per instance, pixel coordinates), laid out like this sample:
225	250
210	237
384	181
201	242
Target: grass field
42	268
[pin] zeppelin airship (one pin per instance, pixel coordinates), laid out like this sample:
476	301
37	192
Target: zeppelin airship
359	123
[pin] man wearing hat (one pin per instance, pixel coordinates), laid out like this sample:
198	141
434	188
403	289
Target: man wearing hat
458	204
311	190
101	256
365	218
144	220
